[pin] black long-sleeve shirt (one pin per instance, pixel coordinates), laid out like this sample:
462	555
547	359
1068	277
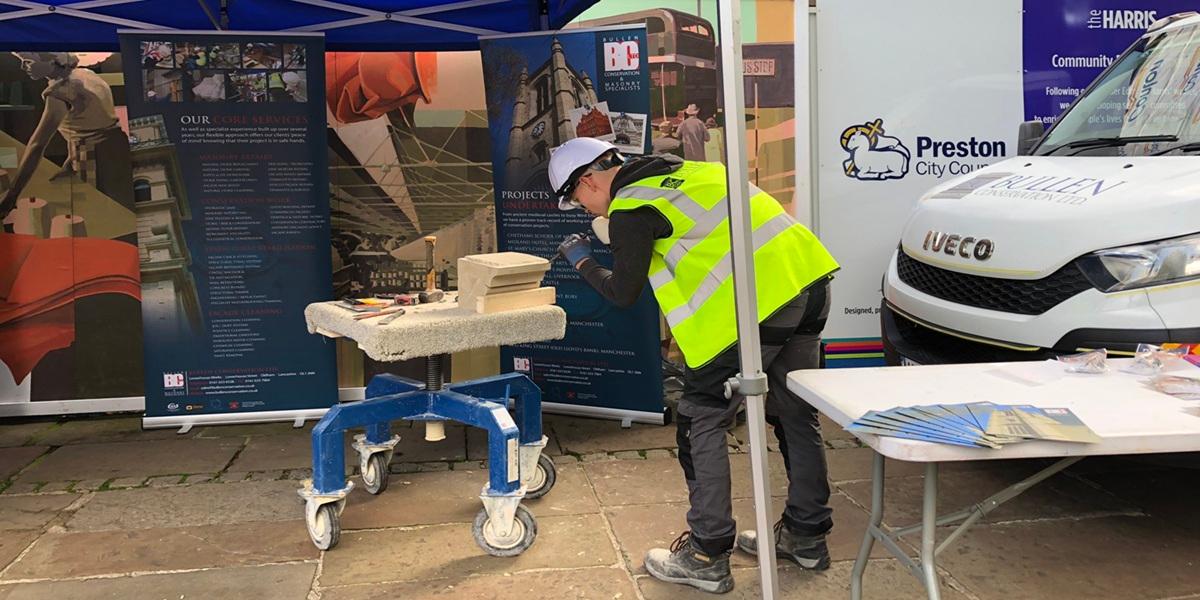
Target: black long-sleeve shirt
631	237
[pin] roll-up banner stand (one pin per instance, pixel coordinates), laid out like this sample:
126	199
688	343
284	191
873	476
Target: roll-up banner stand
230	176
542	90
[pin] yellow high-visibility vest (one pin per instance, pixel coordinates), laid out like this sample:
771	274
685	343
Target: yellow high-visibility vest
691	271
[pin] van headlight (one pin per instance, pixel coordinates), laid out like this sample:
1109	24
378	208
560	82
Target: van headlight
1144	265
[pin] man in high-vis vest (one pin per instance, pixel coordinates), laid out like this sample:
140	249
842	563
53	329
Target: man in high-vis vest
668	224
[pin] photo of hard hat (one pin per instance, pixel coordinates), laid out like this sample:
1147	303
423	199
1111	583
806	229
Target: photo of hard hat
569	161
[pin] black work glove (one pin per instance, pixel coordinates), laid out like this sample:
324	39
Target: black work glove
575	248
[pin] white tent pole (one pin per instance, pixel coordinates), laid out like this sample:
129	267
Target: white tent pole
750	382
802	198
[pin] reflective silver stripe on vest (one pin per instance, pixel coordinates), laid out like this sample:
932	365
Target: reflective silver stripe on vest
661	278
703	226
724	268
678	199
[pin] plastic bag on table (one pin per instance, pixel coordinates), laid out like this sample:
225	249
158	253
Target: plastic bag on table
1092	362
1150	359
1187	388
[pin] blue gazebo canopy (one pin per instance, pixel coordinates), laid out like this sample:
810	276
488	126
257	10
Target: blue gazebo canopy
91	25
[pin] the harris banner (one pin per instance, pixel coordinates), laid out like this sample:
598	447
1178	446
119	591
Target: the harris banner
542	90
1067	44
228	144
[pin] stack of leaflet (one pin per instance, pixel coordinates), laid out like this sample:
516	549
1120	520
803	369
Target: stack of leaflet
977	425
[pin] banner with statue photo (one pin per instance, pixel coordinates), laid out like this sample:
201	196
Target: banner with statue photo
70	320
542	90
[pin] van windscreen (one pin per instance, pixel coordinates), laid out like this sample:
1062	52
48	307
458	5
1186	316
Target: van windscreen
1152	91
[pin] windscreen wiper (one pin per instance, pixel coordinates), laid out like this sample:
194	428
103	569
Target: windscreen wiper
1103	142
1188	147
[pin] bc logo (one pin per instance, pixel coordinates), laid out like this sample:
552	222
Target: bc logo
621	56
873	155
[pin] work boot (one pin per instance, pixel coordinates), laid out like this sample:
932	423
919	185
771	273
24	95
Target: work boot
686	563
810	552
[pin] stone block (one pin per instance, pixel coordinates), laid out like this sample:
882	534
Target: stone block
500	269
495	303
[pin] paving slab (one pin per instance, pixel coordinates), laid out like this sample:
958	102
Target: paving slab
187	506
1113	558
600	583
885	579
130	459
19	434
272	581
103	429
71	555
32	512
15	459
640	528
13	543
431	498
279	452
657	481
253	430
1059	496
449	551
586	436
1169	494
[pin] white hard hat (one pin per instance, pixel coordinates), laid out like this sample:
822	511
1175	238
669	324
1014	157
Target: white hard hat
568	162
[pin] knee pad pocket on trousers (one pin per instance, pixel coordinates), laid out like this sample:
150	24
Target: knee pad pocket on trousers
683	429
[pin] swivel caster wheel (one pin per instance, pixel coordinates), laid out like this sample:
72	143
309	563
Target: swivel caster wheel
543	478
375	475
325	527
519	539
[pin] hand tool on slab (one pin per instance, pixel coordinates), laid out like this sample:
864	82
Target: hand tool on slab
431	292
387	311
392	317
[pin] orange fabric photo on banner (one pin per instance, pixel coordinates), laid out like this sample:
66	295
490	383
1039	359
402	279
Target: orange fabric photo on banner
361	86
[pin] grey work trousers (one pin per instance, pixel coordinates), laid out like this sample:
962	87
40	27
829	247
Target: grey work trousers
791	340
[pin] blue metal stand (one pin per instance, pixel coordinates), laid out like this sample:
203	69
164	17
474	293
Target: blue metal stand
514	453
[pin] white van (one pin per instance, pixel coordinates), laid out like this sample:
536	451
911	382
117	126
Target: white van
1090	239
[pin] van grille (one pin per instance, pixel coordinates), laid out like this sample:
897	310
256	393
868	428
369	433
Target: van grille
1020	296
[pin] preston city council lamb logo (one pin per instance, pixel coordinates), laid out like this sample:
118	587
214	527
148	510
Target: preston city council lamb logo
873	156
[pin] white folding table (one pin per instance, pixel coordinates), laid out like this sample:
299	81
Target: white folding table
1129	416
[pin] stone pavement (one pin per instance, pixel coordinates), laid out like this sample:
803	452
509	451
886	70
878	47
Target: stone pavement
97	508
